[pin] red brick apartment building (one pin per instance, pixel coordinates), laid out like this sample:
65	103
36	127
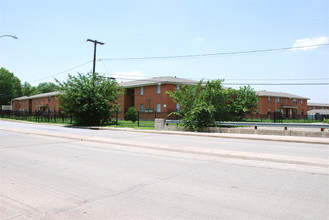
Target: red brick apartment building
41	102
288	104
149	96
318	108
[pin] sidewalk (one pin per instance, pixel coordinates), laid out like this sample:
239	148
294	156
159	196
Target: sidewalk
312	140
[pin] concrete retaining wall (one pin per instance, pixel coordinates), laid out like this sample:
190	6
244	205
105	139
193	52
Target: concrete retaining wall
161	125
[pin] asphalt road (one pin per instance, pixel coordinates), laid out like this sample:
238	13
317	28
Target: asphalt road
58	178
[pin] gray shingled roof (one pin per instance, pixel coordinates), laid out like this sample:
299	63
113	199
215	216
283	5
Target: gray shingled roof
48	94
157	80
279	94
318	104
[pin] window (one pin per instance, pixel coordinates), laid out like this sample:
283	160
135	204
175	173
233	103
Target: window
141	107
158	88
177	107
301	101
178	87
287	100
141	91
295	101
277	110
269	99
39	100
49	99
277	100
158	107
294	111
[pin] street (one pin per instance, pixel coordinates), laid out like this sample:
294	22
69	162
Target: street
49	177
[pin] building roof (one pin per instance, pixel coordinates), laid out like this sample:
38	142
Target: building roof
318	104
22	98
279	94
318	111
156	81
48	94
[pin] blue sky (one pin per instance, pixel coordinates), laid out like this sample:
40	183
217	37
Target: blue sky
52	39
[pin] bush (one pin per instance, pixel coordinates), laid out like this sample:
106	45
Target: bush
131	115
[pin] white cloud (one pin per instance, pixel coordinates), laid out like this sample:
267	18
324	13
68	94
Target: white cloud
124	76
200	39
308	42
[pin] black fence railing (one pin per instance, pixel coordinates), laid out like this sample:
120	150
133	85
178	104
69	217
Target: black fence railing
60	117
280	118
37	116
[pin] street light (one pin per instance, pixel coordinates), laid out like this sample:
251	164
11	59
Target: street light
7	35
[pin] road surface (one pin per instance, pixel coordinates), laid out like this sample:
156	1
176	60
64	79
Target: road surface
46	177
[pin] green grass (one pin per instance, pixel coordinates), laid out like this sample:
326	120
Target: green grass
149	125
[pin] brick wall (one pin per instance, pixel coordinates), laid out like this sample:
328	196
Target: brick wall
283	104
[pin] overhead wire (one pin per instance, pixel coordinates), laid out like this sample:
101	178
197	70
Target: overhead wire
184	56
214	54
61	72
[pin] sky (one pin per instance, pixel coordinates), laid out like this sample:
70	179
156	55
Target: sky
267	44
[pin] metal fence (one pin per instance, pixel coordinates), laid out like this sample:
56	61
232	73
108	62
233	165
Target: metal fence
281	118
59	117
37	116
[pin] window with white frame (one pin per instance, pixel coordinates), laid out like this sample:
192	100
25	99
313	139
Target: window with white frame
158	107
277	100
141	91
158	88
269	99
295	101
177	107
141	108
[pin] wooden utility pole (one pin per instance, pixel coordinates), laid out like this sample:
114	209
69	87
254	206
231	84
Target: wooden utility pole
95	44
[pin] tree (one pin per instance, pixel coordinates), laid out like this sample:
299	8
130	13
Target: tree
10	87
28	90
89	99
46	87
207	102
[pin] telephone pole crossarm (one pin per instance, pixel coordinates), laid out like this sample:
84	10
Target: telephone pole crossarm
95	45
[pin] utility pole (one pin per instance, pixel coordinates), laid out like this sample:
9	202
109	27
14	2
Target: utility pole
95	44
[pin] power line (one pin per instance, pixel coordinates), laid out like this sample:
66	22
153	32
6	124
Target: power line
276	84
243	83
214	54
62	72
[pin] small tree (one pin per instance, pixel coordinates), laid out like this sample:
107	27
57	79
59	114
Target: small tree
205	103
131	114
89	99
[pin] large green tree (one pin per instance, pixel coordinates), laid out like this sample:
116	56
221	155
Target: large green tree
207	102
89	99
10	87
28	89
46	87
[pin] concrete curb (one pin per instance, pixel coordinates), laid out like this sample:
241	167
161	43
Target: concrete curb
296	139
189	150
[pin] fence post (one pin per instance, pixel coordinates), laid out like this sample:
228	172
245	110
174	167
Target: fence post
137	118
